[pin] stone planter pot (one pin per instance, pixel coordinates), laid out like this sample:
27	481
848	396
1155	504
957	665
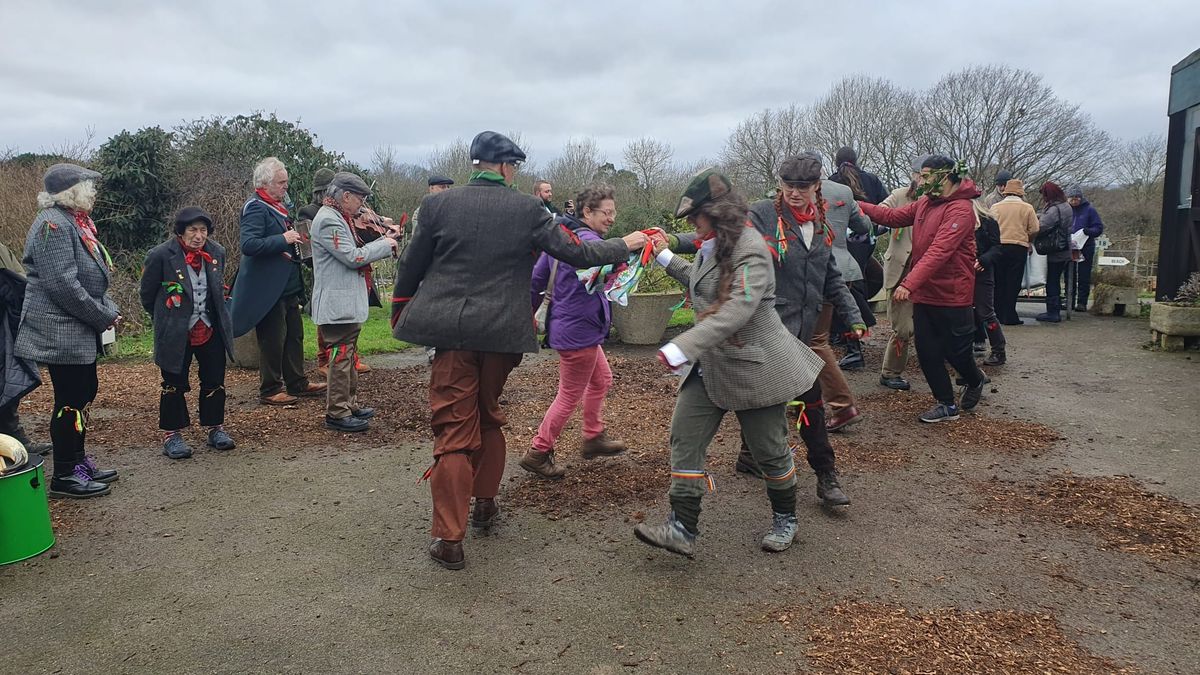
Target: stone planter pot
644	320
1115	300
245	351
1174	327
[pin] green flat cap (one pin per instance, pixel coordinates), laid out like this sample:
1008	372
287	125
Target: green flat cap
708	185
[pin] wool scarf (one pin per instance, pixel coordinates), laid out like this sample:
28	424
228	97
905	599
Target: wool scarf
272	202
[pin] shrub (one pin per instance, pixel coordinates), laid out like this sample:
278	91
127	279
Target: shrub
137	192
1189	293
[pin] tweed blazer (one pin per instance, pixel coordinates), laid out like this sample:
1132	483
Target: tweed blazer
463	282
340	269
66	302
748	358
267	264
165	264
899	246
843	216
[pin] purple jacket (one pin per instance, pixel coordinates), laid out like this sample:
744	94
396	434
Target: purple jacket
577	319
1087	219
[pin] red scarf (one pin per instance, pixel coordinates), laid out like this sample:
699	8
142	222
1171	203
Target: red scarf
803	217
272	202
195	258
87	230
354	232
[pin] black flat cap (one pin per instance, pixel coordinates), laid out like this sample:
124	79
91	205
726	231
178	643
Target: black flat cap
350	183
495	148
440	180
804	168
190	214
61	177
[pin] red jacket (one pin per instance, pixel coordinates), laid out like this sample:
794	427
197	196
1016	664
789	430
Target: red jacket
943	239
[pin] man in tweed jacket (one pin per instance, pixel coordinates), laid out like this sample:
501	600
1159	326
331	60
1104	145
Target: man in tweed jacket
463	288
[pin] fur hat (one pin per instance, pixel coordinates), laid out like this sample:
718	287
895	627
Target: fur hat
1013	187
708	185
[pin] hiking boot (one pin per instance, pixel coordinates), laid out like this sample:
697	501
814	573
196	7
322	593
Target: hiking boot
18	432
448	554
99	475
843	418
996	358
971	396
602	446
940	413
349	424
542	463
219	440
671	536
175	447
361	367
898	383
783	531
745	463
829	490
484	514
77	485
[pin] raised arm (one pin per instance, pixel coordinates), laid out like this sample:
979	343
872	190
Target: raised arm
332	236
881	215
957	225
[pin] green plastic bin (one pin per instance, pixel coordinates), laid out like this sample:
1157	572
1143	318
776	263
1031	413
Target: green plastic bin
24	513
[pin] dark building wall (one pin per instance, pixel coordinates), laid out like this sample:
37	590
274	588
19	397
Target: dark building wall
1179	244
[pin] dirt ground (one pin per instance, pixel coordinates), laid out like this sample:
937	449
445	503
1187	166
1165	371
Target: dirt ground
305	551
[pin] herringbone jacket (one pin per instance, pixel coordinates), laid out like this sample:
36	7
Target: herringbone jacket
747	357
66	302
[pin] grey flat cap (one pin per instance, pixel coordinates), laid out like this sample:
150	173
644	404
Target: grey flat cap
61	177
350	183
495	148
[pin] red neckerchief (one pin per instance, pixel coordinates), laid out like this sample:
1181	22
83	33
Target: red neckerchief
272	202
803	216
195	258
87	230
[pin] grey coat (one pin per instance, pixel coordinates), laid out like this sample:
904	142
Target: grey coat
748	359
339	269
464	280
1060	216
843	215
66	302
165	264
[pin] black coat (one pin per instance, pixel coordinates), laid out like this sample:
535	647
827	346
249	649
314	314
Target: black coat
268	263
987	242
20	375
165	264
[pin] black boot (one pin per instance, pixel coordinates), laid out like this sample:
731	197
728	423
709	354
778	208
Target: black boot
853	360
71	477
996	358
816	440
1051	315
829	489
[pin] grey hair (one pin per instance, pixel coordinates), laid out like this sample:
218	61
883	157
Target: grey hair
335	193
265	170
79	197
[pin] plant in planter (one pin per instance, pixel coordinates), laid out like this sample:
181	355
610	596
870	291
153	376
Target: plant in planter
644	320
1114	293
1175	325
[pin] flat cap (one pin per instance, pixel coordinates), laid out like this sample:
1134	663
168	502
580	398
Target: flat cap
350	183
190	214
708	185
321	179
440	180
61	177
803	168
495	148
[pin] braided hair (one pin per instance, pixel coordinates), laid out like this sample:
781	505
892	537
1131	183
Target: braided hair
728	214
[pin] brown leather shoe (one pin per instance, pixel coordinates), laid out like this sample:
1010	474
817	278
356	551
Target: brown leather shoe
362	368
602	446
483	516
448	554
313	389
843	418
541	463
281	398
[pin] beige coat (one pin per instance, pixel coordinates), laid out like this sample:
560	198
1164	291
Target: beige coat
899	248
1018	221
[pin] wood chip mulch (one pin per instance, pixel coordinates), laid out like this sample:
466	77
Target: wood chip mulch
1117	509
972	431
865	637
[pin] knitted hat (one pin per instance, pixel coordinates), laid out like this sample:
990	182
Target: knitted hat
708	185
1075	191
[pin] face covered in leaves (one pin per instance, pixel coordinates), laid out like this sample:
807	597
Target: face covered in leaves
936	182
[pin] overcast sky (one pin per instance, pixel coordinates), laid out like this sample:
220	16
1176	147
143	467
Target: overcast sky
418	75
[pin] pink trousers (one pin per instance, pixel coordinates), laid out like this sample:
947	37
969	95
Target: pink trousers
583	375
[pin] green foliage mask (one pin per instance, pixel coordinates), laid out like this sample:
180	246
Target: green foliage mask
931	184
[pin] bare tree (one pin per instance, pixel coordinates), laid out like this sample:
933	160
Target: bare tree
1140	164
576	167
650	160
452	161
754	150
994	117
873	116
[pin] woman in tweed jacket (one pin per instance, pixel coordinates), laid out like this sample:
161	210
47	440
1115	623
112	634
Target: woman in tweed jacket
66	309
739	357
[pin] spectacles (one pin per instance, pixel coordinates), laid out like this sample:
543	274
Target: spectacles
516	163
794	187
611	213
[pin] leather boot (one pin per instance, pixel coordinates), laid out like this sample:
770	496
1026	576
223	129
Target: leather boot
484	514
602	446
542	463
829	489
853	360
448	554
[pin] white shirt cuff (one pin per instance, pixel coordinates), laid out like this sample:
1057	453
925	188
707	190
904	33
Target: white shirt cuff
673	354
665	257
